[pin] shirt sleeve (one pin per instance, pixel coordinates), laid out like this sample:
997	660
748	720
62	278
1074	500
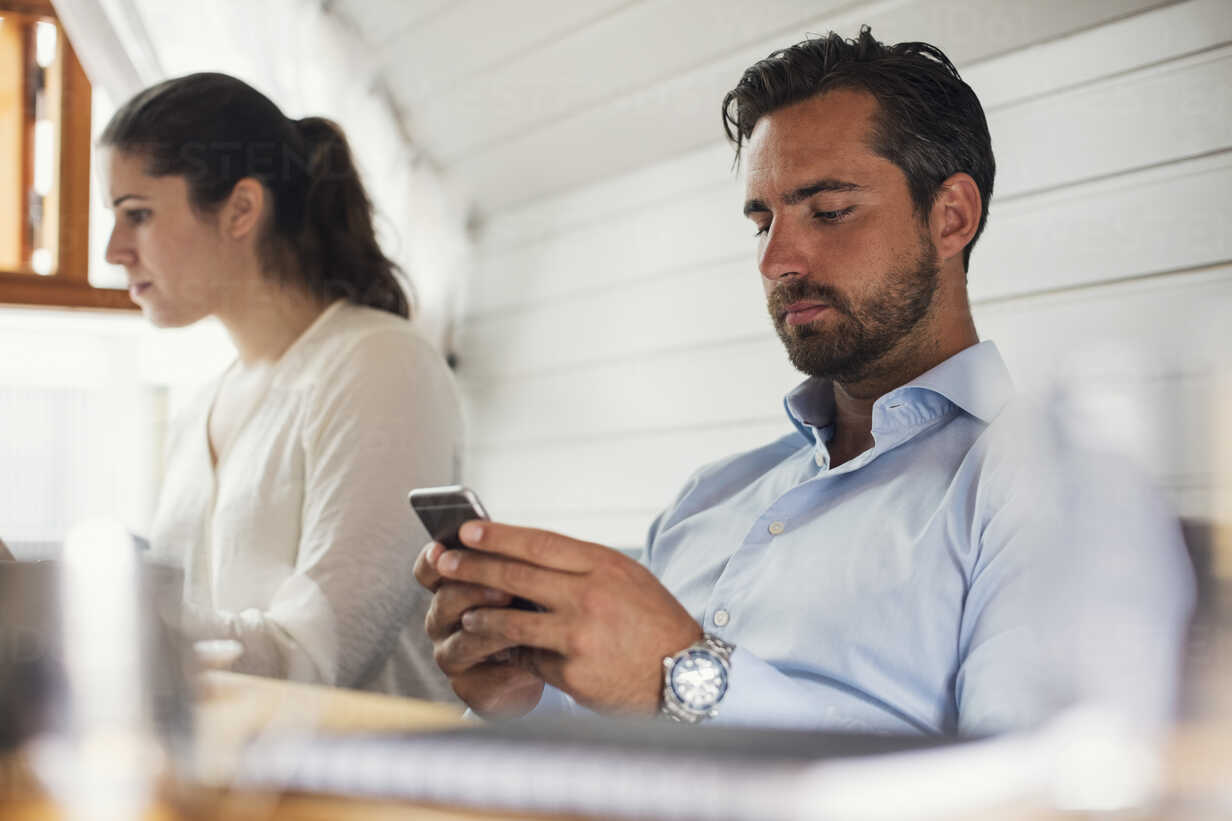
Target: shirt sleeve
381	420
1080	594
760	694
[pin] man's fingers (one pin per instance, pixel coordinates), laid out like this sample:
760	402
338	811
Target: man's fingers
461	651
550	588
538	547
498	690
522	628
545	664
452	599
425	565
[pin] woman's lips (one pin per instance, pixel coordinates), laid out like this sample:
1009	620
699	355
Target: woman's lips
803	313
136	288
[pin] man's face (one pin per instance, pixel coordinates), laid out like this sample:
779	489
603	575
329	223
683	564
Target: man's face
848	266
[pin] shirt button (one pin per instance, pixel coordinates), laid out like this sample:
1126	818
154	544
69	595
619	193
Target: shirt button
820	459
721	618
776	528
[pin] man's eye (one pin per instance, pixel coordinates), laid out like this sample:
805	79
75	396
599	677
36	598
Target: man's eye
762	230
833	216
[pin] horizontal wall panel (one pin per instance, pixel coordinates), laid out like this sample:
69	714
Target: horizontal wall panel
1166	218
640	470
741	381
1124	45
712	385
433	58
630	49
1162	113
681	110
1171	323
706	304
704	226
380	21
707	167
1161	219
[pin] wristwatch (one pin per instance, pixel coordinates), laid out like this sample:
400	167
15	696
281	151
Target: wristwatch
695	680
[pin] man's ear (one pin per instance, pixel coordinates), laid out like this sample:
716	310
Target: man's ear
955	215
241	215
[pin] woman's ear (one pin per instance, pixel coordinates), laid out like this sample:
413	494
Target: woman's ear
241	215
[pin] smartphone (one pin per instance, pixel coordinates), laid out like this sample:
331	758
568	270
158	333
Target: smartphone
443	510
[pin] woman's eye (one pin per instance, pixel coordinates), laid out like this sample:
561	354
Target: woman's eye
136	216
762	230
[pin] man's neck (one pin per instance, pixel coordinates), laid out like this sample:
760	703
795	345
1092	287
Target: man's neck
853	401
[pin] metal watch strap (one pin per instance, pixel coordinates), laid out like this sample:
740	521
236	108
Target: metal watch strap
715	645
677	712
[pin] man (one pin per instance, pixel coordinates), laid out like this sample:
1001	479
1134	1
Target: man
923	553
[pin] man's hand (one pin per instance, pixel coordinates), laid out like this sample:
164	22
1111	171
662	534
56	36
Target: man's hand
607	624
492	677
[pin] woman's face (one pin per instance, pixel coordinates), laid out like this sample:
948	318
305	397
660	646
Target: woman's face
172	254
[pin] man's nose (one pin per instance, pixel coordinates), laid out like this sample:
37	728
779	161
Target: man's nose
781	255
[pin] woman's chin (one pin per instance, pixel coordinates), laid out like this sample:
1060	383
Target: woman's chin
160	317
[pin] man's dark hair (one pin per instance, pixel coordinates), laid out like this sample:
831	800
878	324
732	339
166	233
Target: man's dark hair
930	123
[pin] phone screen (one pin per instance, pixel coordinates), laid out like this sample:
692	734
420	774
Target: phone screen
443	520
443	510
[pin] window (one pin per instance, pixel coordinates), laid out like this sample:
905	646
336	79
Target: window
44	165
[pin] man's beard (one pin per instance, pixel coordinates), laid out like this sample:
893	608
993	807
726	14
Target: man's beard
859	335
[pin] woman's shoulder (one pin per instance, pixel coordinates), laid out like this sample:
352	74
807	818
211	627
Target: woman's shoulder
362	341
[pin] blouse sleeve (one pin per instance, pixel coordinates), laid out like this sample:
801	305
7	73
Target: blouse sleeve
381	419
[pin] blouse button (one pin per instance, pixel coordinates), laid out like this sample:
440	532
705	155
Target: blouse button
776	528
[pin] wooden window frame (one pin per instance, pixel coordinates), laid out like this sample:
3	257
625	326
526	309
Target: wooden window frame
69	286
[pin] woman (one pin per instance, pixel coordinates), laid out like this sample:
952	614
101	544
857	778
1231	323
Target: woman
286	479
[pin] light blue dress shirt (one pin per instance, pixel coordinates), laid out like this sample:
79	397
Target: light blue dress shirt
976	571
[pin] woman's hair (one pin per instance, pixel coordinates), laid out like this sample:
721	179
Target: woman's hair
215	130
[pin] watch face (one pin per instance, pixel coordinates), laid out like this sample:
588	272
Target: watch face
699	681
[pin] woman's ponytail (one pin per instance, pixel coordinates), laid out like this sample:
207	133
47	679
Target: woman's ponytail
337	251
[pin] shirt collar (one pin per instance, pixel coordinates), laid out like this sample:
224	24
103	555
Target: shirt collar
975	379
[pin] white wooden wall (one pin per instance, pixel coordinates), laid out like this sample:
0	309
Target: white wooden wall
616	337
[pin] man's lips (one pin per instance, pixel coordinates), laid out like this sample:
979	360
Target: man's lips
800	313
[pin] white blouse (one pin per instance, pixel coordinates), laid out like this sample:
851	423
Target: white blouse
300	544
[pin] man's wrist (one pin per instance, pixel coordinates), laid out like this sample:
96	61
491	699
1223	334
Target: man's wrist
695	680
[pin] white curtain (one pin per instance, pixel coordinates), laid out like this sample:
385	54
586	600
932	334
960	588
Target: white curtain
309	63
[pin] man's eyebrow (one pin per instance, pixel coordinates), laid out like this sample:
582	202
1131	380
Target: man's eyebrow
123	197
756	206
829	184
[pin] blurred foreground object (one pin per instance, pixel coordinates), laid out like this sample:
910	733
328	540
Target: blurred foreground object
94	683
1085	761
